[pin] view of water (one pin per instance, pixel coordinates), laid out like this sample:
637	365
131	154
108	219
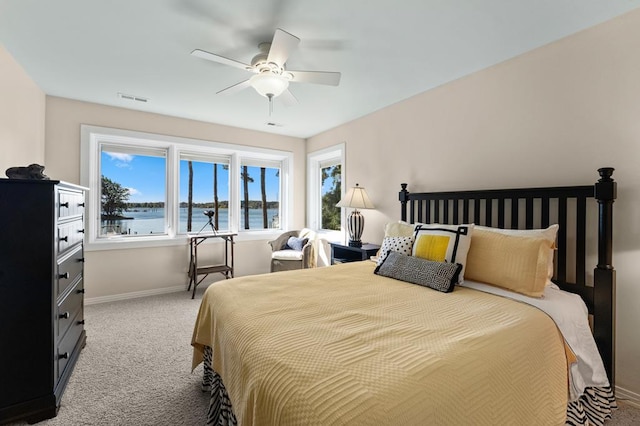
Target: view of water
151	221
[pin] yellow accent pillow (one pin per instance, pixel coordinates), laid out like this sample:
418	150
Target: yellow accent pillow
454	240
515	263
432	247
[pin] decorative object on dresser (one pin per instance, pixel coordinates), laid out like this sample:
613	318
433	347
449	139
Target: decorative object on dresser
41	294
32	171
356	198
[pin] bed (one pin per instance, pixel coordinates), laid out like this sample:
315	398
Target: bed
348	345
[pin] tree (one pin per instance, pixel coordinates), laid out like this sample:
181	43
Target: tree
190	198
216	204
114	198
265	222
245	180
331	213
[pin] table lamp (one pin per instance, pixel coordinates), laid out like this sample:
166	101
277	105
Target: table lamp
355	198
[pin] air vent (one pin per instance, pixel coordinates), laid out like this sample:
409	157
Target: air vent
132	98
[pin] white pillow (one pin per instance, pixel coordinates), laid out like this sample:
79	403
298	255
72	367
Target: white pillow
398	229
402	245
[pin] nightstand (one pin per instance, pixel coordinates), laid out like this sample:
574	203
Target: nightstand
342	254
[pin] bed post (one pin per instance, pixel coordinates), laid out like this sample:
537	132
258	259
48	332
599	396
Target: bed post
403	196
604	284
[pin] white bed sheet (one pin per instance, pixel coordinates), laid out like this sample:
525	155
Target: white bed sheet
570	314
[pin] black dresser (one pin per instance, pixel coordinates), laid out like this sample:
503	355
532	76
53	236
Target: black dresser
41	294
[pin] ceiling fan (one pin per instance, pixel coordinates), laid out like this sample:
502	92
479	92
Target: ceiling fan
271	78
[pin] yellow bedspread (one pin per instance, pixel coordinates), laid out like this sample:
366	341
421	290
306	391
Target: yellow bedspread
342	346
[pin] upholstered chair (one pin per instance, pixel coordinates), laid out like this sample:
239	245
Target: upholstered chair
293	250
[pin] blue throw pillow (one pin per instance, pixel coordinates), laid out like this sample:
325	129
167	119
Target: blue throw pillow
294	243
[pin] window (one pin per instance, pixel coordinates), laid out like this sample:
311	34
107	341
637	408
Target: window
132	191
204	187
331	192
260	205
150	189
325	175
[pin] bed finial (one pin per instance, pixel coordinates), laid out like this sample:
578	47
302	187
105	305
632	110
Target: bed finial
403	196
605	193
605	174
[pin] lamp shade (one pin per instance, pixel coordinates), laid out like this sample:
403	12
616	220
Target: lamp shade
268	84
356	198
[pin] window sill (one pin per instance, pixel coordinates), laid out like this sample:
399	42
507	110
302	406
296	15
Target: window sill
127	243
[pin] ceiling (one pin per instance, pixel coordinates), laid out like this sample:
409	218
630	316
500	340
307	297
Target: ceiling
386	50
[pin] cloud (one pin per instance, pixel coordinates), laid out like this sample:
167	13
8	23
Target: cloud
120	156
133	191
122	161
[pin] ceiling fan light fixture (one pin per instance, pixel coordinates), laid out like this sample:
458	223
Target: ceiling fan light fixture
268	84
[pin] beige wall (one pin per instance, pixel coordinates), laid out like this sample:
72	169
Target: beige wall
22	106
549	117
113	272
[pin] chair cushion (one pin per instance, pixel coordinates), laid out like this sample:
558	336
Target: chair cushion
287	255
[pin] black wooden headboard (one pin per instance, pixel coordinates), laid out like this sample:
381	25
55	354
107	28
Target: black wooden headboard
529	208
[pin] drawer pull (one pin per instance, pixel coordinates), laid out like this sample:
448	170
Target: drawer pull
65	239
64	204
64	276
64	355
80	204
81	322
81	231
80	291
65	315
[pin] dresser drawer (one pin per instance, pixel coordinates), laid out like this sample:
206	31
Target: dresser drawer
68	309
70	203
68	343
69	269
70	234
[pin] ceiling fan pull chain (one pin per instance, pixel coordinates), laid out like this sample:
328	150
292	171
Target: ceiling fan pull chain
270	96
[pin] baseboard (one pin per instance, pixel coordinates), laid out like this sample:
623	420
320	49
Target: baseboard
628	397
133	295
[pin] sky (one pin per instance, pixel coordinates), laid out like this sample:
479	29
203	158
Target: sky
144	176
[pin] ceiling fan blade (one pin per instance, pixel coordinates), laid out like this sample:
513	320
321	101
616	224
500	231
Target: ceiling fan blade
316	77
220	59
235	88
287	98
281	47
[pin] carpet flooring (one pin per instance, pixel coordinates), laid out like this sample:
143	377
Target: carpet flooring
136	368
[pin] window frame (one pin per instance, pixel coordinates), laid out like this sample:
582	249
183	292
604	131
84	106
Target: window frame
186	155
93	137
316	161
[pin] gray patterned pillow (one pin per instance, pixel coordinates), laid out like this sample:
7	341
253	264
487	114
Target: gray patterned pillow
441	276
402	245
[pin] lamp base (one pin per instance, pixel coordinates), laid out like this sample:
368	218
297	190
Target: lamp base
355	226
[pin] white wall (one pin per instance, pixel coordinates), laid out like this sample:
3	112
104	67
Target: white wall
22	107
113	272
549	117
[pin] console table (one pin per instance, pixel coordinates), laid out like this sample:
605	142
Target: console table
195	270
